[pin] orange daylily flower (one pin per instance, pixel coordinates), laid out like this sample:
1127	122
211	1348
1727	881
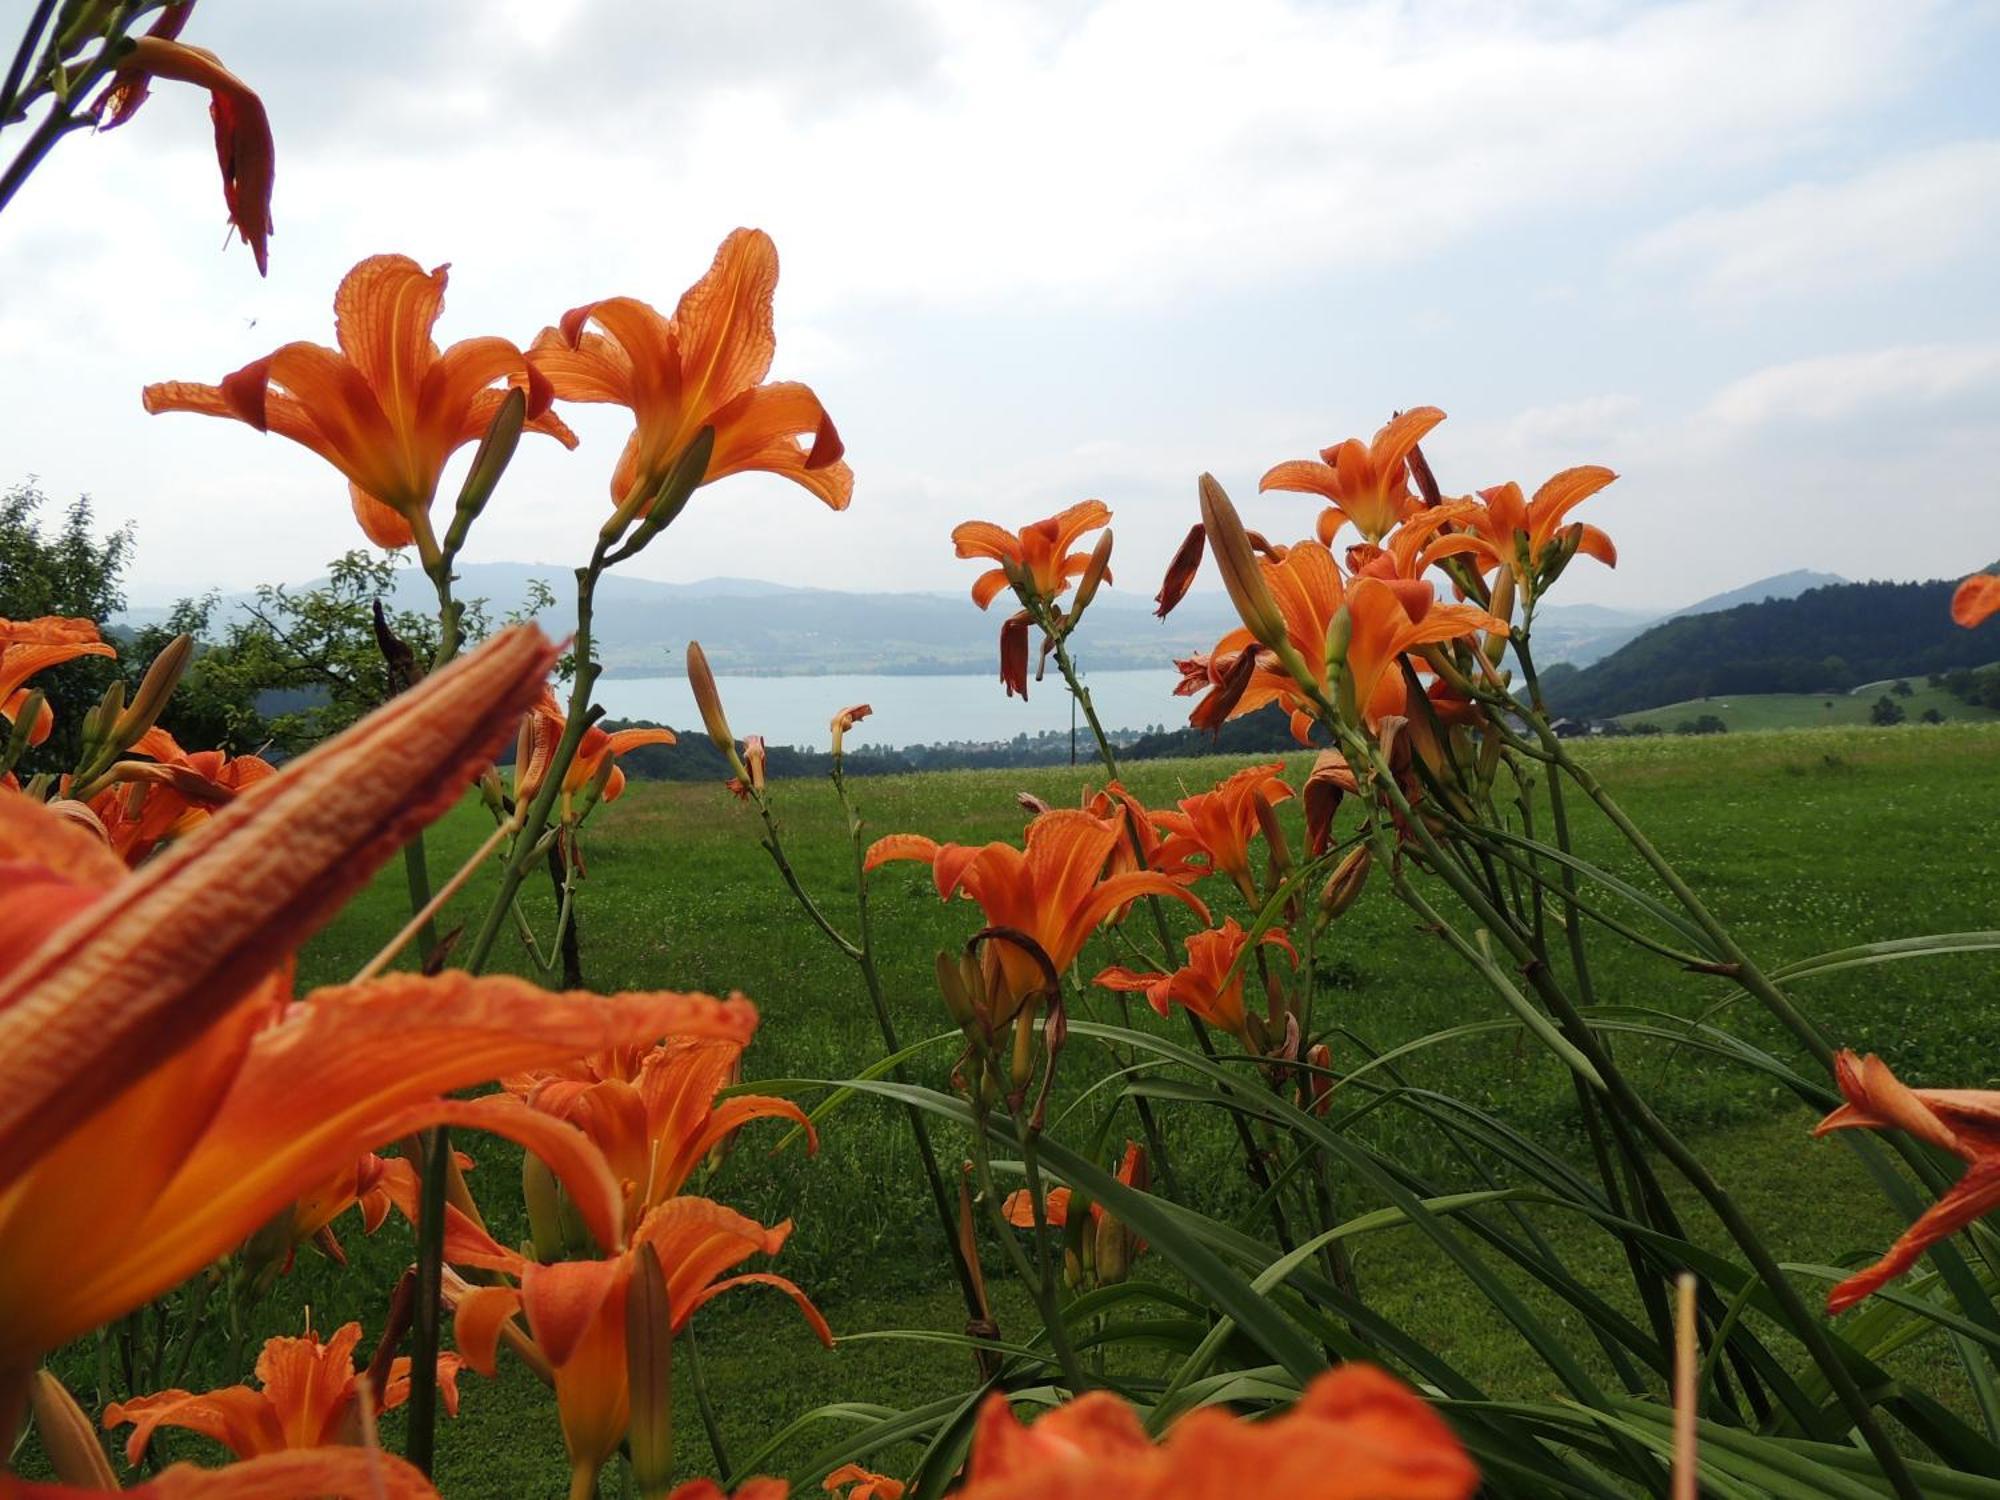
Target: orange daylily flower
372	1183
385	408
31	646
304	1474
1216	826
1111	1246
1527	537
1389	617
146	1039
1367	484
1053	891
1976	599
652	1111
1356	1434
704	367
1965	1122
243	146
866	1484
148	804
306	1397
541	732
576	1311
1199	985
1037	561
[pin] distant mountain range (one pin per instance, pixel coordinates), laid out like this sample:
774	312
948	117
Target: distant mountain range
750	627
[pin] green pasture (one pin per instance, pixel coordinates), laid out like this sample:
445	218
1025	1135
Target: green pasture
1804	841
1744	711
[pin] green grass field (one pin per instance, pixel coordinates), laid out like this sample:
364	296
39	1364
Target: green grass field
1804	841
1745	711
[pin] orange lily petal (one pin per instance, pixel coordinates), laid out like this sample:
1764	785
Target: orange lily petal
1976	600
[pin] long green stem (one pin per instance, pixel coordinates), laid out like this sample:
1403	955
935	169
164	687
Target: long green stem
871	977
1156	1139
420	1447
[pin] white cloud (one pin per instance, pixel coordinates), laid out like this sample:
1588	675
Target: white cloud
975	204
1892	221
1845	387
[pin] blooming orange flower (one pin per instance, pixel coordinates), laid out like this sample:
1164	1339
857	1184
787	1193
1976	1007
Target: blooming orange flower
1965	1122
386	408
1037	561
866	1485
1204	984
243	146
372	1183
652	1111
1356	1434
542	731
1528	537
704	367
1387	617
1367	484
145	1034
1216	826
305	1397
31	646
576	1311
1053	891
1976	599
147	804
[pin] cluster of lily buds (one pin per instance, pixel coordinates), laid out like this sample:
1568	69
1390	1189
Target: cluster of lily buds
1098	1249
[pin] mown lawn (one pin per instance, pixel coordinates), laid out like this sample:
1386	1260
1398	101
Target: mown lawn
1805	841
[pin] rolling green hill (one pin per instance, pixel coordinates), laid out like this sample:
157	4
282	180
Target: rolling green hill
1744	711
1819	645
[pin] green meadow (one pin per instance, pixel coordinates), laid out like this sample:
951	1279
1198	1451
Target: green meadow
1743	711
1804	841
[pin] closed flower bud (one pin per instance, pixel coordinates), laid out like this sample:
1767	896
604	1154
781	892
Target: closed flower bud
158	685
1181	571
1344	886
489	462
1241	574
649	1370
544	1202
1274	835
68	1440
1319	1087
753	760
1096	573
1339	635
701	682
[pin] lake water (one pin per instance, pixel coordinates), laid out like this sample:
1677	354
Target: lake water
908	710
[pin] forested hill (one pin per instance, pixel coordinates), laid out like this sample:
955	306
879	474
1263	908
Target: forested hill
1825	640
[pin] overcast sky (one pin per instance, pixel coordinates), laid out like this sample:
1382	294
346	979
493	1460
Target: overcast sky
1743	253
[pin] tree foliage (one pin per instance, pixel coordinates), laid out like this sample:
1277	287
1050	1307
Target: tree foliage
64	568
